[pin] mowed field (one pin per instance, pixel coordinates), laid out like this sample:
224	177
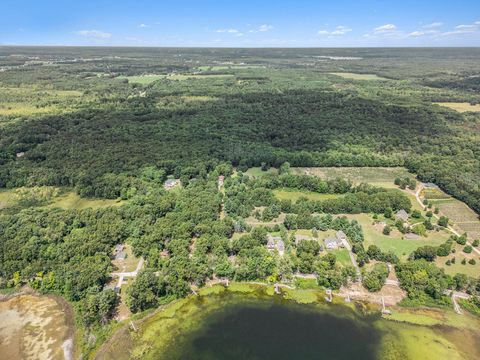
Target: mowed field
378	176
394	242
147	79
355	76
460	106
294	195
257	172
458	267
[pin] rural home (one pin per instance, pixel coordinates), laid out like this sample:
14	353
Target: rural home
332	243
402	215
170	183
119	252
341	236
275	243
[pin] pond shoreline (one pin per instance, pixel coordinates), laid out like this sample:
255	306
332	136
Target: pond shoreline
308	297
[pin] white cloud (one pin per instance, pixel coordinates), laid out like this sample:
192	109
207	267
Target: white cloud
464	29
262	28
416	34
339	30
265	27
230	31
432	25
467	28
96	34
387	28
143	26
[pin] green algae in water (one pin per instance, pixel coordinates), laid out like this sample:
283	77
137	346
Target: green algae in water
244	327
252	325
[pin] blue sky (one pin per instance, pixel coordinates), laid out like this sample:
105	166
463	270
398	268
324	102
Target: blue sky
241	23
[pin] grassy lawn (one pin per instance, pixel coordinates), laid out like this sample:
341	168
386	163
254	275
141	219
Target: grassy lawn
378	176
343	258
460	106
257	172
354	76
459	255
289	194
401	247
467	269
129	264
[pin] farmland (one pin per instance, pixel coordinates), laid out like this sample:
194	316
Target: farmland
460	107
354	76
464	218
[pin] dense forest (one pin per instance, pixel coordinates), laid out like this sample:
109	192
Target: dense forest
272	112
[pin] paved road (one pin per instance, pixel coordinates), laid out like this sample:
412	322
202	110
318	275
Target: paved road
449	228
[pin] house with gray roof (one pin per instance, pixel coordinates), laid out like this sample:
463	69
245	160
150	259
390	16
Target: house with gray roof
332	243
402	215
275	243
341	236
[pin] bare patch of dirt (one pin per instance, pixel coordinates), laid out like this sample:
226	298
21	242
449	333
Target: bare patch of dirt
35	327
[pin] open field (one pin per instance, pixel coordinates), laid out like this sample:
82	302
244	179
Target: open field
354	76
378	176
148	79
467	269
460	106
35	327
52	197
24	101
294	195
458	267
394	242
257	172
71	200
229	67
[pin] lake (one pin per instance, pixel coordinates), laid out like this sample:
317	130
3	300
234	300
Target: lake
252	325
